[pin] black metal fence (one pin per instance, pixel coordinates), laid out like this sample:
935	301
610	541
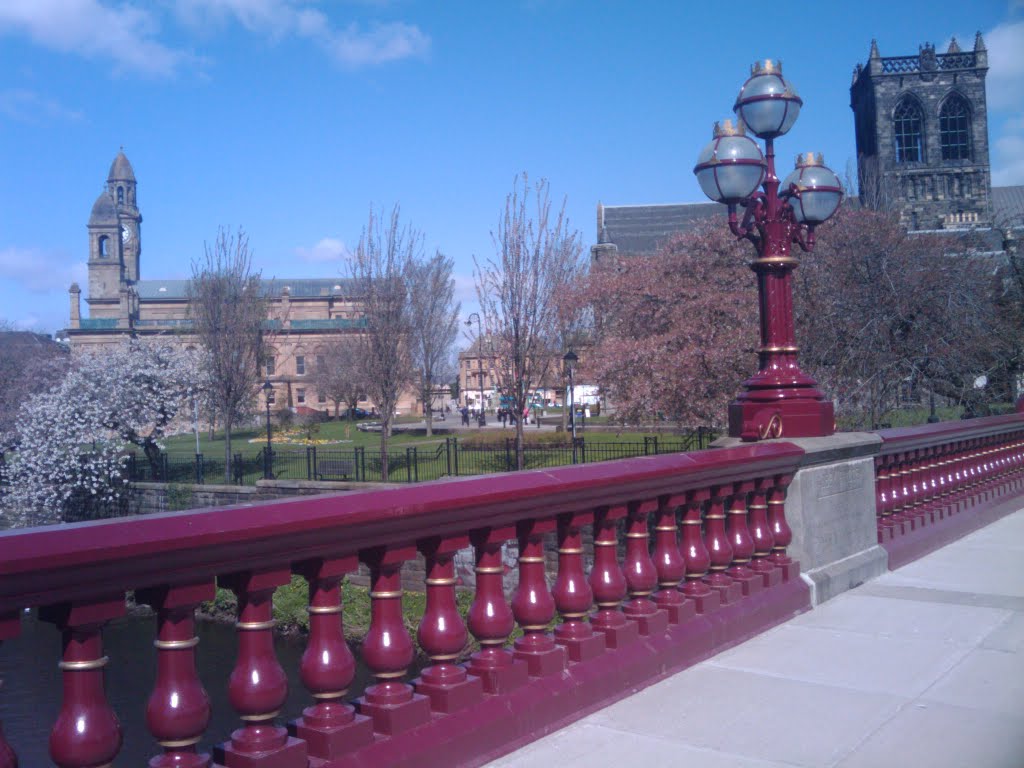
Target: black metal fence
411	464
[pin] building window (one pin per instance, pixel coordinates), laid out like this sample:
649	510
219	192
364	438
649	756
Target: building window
268	363
907	124
103	246
300	396
300	366
120	195
320	398
954	129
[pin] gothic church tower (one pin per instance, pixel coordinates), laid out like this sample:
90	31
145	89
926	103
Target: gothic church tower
114	241
922	136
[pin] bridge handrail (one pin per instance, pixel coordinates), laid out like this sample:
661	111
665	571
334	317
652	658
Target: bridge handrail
927	435
77	561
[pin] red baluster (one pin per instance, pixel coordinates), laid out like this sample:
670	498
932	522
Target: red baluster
442	634
490	619
387	648
695	553
669	563
741	540
330	727
641	575
10	626
178	710
782	534
87	733
258	686
719	549
901	493
572	594
608	582
883	515
761	533
532	604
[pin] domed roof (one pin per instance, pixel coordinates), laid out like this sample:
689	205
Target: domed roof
121	169
103	210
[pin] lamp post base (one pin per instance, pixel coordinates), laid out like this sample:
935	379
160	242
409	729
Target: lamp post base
758	420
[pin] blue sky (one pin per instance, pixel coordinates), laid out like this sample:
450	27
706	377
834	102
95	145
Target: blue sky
291	117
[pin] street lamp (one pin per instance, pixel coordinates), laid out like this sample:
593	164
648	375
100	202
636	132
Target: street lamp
480	363
569	362
268	389
779	399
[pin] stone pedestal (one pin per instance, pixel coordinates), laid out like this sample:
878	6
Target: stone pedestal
830	506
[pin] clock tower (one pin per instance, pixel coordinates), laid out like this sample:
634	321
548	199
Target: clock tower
114	240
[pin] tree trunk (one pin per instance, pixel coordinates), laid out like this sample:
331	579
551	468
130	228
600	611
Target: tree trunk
429	413
520	453
152	453
385	433
565	410
227	451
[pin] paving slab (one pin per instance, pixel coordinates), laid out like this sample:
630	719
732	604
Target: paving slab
922	666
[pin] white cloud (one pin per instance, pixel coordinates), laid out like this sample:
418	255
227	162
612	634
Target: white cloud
352	46
1005	81
40	271
125	34
326	250
29	107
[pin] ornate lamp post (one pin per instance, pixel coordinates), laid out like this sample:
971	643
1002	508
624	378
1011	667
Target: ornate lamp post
480	363
779	400
268	457
569	362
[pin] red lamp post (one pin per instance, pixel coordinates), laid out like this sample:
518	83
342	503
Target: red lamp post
780	399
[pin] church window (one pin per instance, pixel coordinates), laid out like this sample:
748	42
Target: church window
120	195
907	124
300	365
104	241
300	396
954	129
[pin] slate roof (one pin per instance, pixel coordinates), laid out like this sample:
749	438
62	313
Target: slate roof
302	288
121	169
640	229
103	210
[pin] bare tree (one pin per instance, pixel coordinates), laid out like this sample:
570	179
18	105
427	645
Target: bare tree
338	374
434	325
30	363
379	269
228	312
535	259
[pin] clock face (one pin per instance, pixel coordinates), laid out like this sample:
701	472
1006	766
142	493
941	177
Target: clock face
126	234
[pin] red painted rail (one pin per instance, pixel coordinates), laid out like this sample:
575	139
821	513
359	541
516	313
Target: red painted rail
717	572
928	477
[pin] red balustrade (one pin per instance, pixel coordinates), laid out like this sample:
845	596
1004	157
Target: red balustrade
258	686
929	476
330	727
740	539
669	563
782	534
79	575
387	649
608	582
442	634
533	605
641	575
178	710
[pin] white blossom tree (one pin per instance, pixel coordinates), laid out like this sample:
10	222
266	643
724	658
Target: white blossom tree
72	438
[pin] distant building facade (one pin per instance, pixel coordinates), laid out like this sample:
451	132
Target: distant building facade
304	315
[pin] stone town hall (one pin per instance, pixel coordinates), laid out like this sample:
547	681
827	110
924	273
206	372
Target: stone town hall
303	313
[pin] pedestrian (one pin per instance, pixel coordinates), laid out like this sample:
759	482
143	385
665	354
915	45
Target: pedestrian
465	416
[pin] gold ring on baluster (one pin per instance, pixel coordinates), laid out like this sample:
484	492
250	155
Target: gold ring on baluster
323	609
386	595
493	641
690	522
445	657
441	582
531	559
758	506
573	615
570	551
489	569
389	675
176	645
664	527
715	517
260	718
641	594
330	694
616	604
255	626
637	535
83	666
180	743
605	543
533	627
781	503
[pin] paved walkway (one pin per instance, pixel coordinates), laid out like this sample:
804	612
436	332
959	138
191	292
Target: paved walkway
921	667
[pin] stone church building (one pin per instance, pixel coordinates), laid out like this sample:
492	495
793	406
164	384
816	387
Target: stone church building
921	127
304	314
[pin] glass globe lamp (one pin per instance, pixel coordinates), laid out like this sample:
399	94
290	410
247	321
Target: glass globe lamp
768	104
731	167
812	189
